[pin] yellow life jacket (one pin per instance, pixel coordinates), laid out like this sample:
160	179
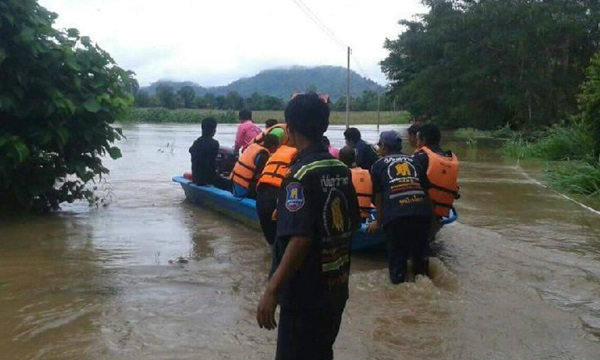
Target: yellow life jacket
278	166
363	185
244	171
442	174
260	138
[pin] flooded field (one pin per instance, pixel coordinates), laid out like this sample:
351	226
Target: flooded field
518	277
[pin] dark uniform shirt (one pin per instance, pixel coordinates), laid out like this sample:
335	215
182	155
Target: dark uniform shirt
317	200
204	154
365	155
400	179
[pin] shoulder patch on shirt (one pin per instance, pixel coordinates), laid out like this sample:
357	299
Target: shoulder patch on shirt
294	199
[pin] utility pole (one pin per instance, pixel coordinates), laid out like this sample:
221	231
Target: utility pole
348	92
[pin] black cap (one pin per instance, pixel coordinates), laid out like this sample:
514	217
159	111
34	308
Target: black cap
390	139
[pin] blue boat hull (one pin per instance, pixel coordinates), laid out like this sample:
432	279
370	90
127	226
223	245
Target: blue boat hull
244	210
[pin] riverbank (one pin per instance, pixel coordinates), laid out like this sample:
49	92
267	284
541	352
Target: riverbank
191	116
564	153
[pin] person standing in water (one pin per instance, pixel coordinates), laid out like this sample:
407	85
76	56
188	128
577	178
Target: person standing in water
403	207
269	182
361	179
246	131
441	168
317	214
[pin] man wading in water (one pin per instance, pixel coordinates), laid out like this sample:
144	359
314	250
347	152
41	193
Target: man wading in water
317	213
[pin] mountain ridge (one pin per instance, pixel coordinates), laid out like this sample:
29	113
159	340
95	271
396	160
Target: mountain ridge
282	82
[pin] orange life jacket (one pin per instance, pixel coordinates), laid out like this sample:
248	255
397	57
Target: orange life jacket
260	138
442	174
361	179
244	171
278	166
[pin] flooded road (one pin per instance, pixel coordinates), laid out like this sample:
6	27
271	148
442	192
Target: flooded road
517	278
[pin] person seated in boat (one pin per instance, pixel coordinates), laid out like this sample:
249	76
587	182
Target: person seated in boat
317	213
361	179
269	182
270	122
403	208
441	169
246	131
412	135
204	154
276	129
332	150
365	153
250	165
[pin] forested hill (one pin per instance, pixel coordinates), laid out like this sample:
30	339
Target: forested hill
282	83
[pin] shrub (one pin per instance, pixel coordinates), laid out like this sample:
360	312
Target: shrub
577	177
563	143
59	94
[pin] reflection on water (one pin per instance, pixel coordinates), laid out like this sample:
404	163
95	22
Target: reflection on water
518	277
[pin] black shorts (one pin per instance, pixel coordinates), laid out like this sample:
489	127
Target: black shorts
308	334
407	239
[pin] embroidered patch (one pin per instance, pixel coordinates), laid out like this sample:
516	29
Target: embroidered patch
294	197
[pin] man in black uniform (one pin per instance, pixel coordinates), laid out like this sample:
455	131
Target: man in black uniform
317	213
403	207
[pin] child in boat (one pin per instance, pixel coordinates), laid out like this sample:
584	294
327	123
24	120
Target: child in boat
403	207
204	154
361	179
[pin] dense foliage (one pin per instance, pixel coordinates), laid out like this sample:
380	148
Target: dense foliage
487	63
59	94
589	105
186	97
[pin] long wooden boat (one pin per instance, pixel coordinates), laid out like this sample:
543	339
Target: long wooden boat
244	210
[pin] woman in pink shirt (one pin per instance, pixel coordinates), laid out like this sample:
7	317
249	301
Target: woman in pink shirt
332	150
246	131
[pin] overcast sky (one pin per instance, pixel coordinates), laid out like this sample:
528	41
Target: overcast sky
218	41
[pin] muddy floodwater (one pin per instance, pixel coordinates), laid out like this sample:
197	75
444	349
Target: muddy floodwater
518	277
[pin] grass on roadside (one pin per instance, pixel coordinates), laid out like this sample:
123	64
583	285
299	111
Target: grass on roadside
571	169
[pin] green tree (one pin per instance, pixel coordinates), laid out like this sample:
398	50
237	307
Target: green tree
142	99
487	63
234	101
59	95
187	94
166	96
589	104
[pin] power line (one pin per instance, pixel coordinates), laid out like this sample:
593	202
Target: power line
315	19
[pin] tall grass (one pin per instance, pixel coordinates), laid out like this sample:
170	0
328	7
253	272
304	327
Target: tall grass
555	144
576	177
162	115
471	135
572	169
